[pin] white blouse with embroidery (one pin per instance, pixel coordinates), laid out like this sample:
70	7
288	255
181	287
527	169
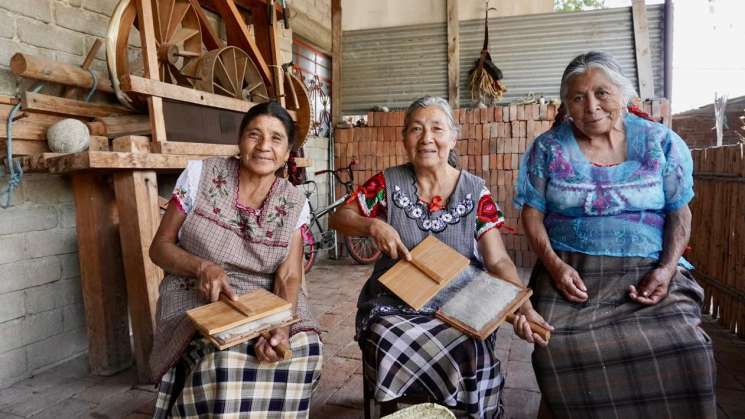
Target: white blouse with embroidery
185	192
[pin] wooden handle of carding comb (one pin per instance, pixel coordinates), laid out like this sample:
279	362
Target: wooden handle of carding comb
283	349
536	328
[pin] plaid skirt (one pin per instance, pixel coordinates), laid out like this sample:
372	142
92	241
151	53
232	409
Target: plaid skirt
416	353
232	383
611	357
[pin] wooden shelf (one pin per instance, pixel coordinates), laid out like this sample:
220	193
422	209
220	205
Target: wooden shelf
109	160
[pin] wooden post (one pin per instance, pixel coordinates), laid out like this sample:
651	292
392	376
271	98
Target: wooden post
150	58
101	274
137	201
643	52
453	54
336	56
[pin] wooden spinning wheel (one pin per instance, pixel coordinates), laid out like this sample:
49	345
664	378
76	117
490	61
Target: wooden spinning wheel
228	71
178	41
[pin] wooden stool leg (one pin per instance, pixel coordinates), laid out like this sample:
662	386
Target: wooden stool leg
366	397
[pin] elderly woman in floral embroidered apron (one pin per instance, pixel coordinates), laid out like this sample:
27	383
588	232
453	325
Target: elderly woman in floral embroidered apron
404	349
232	227
604	198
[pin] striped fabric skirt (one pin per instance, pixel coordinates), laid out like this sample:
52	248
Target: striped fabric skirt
406	352
232	383
611	357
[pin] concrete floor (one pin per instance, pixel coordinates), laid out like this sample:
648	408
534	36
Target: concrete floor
68	391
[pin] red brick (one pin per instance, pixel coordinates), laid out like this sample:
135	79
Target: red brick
485	161
492	146
482	115
513	113
505	113
515	162
515	128
370	119
506	161
523	145
478	131
535	110
542	111
485	146
463	116
520	112
523	129
551	112
492	161
530	129
497	113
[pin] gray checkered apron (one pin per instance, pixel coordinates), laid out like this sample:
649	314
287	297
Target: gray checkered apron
198	380
611	357
406	351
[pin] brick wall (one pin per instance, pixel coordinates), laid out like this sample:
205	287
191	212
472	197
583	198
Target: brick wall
491	144
697	128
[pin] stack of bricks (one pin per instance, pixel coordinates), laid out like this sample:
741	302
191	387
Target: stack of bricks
490	145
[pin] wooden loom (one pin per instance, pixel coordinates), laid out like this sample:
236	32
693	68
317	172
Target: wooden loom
115	182
467	298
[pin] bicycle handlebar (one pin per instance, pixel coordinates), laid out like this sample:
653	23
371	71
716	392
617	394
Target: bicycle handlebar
351	164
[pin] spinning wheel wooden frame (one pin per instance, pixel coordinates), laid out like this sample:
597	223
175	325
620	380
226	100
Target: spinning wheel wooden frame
184	60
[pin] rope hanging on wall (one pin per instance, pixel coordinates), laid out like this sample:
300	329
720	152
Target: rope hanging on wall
484	78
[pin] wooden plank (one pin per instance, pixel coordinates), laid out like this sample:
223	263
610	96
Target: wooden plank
139	215
45	69
25	147
120	125
101	274
101	160
336	52
150	54
453	54
643	52
303	162
28	125
172	147
69	107
98	143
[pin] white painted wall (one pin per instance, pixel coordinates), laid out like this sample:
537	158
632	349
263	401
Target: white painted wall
365	14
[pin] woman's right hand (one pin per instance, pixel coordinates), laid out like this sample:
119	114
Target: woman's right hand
568	281
388	240
212	281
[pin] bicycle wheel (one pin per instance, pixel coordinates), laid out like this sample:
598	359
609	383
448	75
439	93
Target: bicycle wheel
362	249
309	248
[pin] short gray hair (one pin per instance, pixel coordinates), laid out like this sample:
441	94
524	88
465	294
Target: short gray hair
431	101
444	106
601	61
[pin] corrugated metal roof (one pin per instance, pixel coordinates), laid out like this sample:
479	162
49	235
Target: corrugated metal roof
393	66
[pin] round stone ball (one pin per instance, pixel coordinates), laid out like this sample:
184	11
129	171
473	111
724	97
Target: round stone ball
68	136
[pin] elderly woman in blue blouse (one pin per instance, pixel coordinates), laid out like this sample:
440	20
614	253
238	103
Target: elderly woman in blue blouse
604	197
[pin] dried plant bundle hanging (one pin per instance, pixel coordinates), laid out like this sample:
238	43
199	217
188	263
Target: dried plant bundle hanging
485	77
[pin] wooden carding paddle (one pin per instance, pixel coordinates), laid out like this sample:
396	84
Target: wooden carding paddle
282	349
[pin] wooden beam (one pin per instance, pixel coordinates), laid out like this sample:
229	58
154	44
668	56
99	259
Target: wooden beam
453	54
131	144
643	52
104	161
144	86
159	89
28	125
25	147
39	68
69	107
150	57
139	216
210	38
101	274
275	56
336	54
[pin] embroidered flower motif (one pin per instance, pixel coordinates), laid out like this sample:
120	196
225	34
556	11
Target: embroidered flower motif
417	210
436	204
487	210
216	210
219	181
269	234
